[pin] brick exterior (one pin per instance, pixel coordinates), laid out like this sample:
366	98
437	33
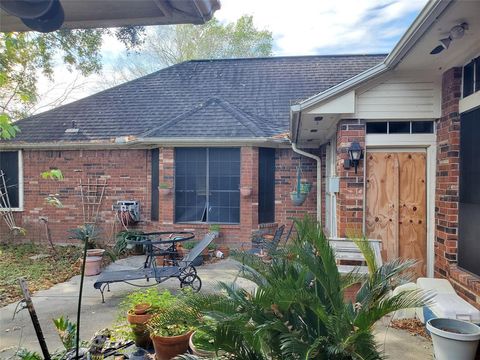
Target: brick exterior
350	196
447	191
128	174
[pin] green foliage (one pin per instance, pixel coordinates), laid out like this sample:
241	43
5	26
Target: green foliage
204	340
169	45
214	228
121	244
86	233
298	310
174	320
158	301
52	174
25	354
24	56
67	331
164	186
189	245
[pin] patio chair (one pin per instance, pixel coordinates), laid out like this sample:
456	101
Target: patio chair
268	246
183	270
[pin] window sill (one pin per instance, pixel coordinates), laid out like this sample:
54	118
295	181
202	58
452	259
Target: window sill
465	278
13	210
470	102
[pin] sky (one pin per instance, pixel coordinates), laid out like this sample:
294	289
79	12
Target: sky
299	27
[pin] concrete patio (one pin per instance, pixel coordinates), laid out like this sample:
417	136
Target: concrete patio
61	299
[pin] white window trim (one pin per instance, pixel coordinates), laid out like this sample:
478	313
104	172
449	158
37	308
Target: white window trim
405	142
20	183
331	204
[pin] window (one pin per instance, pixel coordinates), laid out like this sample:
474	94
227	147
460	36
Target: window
266	185
400	127
207	185
469	201
10	165
471	77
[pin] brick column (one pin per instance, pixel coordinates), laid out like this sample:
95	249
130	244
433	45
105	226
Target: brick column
350	196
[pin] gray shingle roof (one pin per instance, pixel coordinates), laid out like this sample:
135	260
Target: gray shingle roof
199	98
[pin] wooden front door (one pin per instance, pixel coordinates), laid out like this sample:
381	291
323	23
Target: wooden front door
396	205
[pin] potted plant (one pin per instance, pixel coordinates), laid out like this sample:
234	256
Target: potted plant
165	189
453	339
171	329
201	343
224	249
89	233
140	306
298	198
245	191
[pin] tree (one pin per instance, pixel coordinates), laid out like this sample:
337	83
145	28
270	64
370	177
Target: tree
24	56
169	45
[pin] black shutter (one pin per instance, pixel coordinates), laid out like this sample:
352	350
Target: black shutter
9	165
469	206
468	79
266	185
154	155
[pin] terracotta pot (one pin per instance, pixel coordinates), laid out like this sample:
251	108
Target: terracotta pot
246	191
137	318
93	265
225	250
167	347
95	252
165	191
160	260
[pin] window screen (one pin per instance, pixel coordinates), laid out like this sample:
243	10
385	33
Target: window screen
377	128
469	206
9	166
266	185
422	127
207	182
399	127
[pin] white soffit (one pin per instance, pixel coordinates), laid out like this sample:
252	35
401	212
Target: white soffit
344	104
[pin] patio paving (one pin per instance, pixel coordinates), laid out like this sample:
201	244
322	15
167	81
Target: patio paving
61	299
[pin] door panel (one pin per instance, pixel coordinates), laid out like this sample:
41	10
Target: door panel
412	217
396	204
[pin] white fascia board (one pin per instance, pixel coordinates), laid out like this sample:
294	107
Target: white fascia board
147	143
344	104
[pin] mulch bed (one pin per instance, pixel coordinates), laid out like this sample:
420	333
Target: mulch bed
41	273
413	326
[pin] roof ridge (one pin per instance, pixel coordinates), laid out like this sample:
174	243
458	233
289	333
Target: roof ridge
283	57
236	111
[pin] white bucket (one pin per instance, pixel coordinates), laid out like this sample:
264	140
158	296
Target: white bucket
453	339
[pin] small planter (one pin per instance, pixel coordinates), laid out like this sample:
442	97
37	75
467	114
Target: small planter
165	191
225	250
95	252
137	318
167	347
93	265
200	352
246	191
453	339
298	198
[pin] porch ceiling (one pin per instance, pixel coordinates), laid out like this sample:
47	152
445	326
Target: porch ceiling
114	13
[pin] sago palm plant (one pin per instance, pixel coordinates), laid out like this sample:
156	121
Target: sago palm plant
298	309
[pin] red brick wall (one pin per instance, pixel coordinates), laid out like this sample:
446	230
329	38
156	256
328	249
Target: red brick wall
286	162
350	196
127	173
128	178
446	199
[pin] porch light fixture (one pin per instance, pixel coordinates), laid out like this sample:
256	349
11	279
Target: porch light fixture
355	153
455	33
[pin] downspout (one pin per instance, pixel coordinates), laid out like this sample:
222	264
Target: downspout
318	159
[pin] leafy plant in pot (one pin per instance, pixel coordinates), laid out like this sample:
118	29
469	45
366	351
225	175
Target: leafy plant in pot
165	189
89	234
171	329
140	307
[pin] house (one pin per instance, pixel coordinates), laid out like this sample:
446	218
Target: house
416	117
413	115
203	129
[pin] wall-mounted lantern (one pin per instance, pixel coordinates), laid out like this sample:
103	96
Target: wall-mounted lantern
355	153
